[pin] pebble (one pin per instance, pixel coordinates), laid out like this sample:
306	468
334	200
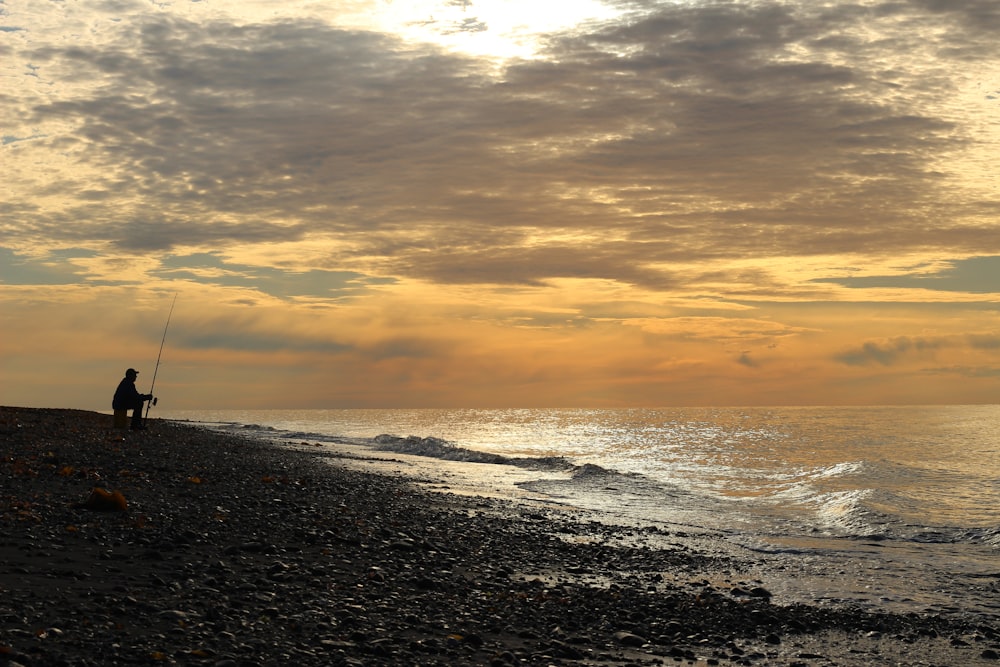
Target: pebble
629	639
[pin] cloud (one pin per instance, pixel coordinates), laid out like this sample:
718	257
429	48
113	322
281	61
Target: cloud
235	339
888	353
990	341
692	131
229	330
618	217
210	268
976	372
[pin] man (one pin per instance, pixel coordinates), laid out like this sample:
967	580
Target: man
127	397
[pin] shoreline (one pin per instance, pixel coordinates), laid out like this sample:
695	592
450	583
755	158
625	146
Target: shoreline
235	551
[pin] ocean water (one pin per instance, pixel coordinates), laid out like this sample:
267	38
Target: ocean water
881	507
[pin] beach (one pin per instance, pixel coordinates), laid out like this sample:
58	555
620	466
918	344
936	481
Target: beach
214	549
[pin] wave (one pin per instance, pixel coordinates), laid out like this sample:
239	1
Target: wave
591	471
254	427
864	500
853	513
990	536
876	515
442	449
842	469
434	448
232	427
586	478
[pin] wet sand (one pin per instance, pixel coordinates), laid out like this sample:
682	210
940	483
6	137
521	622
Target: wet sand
233	551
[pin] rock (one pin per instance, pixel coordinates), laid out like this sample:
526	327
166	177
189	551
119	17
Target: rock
629	639
102	500
403	545
173	615
566	651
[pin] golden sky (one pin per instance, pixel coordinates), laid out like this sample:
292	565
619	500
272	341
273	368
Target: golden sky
487	203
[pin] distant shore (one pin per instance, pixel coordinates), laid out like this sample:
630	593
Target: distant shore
233	551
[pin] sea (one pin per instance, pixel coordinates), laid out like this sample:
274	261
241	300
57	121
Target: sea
892	508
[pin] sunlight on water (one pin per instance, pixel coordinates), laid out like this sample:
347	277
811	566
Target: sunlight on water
923	466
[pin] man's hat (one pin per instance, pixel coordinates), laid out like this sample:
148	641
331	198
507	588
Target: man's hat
131	371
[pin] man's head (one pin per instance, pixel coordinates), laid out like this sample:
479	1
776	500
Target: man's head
131	373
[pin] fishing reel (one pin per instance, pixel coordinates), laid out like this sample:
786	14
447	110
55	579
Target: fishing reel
154	400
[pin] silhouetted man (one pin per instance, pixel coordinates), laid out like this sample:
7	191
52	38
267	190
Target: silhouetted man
127	397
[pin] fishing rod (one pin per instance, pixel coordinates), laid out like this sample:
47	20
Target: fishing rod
163	340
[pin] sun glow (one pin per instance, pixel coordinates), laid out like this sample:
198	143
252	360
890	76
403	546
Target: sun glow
491	28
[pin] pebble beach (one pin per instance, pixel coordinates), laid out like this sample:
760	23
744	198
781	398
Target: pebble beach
180	545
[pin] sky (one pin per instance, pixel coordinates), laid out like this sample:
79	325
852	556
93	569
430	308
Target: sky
500	203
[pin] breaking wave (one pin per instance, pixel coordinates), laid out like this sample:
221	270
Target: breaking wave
442	449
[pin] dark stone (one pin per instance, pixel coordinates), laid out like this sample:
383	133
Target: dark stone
629	639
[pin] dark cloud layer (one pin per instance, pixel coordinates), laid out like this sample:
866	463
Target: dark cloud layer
902	348
886	353
690	131
281	282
